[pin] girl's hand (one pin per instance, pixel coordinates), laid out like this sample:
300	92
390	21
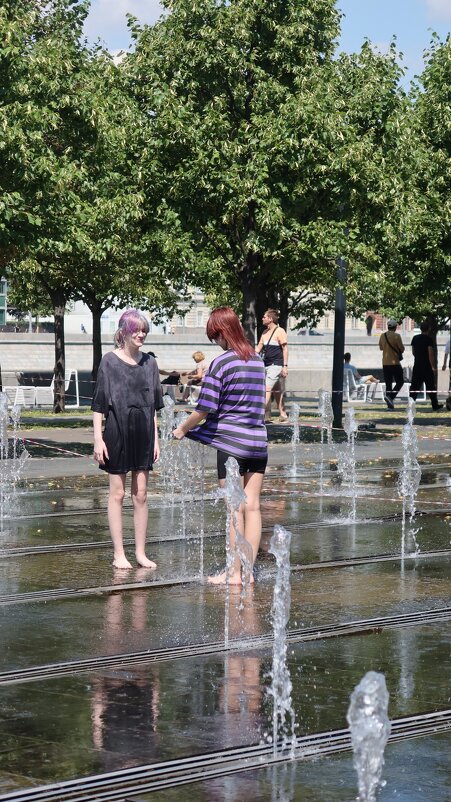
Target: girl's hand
156	451
178	434
100	451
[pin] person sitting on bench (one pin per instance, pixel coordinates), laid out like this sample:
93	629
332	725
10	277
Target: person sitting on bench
359	380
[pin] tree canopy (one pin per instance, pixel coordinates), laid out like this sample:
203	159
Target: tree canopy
234	150
272	153
423	249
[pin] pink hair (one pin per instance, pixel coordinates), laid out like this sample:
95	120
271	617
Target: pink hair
130	322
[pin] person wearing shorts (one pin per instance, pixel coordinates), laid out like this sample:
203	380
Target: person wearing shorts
230	416
273	348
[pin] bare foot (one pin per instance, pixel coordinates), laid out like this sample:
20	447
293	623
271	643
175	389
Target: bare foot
144	562
121	562
221	579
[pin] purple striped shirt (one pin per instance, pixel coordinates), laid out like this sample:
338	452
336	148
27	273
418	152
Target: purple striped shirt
233	394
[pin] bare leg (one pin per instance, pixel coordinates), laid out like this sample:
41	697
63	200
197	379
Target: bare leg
252	513
268	405
187	391
278	398
115	502
249	522
140	516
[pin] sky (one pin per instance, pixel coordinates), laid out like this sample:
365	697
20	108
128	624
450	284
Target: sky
411	21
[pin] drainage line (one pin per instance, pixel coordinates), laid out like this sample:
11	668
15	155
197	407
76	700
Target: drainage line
60	594
369	626
26	551
116	786
20	551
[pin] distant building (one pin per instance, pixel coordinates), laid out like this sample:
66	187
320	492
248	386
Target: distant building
192	315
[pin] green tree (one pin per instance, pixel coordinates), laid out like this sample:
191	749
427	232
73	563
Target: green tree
49	121
423	252
266	145
81	179
118	255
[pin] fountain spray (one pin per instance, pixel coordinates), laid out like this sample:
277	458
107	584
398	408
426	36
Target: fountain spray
410	476
370	729
293	418
326	414
351	428
284	722
13	455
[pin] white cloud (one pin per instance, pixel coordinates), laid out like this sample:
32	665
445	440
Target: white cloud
440	9
107	20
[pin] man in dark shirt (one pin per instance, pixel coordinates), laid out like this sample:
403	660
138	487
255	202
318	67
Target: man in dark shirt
424	366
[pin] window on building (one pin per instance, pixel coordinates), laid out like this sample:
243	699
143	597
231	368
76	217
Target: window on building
200	317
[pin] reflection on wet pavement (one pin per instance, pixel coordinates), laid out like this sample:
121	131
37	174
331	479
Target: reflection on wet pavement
94	718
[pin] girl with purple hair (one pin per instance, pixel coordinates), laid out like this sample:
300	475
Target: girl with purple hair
127	395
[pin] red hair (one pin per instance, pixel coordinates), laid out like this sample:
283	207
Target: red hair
223	322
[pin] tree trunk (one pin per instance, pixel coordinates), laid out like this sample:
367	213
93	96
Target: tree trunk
279	300
59	305
433	324
96	311
254	302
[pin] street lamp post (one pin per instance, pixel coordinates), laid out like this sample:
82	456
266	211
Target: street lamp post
339	343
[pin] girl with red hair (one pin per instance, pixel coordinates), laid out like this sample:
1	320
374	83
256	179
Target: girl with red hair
230	416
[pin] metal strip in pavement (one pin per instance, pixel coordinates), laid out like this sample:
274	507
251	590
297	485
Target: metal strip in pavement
120	661
116	786
61	594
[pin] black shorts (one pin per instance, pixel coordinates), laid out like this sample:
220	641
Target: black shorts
246	464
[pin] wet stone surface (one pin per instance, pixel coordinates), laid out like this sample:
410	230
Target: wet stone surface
124	717
413	772
120	713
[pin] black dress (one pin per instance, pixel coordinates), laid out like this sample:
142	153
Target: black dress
128	396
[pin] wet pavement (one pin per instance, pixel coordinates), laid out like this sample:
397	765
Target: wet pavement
105	671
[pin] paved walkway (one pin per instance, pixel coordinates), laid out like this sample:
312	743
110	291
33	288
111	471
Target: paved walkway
62	445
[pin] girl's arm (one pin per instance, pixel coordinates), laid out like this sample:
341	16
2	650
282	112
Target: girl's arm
194	419
156	442
100	449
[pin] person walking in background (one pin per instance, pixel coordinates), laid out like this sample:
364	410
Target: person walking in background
369	323
127	394
391	345
273	348
230	416
424	366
